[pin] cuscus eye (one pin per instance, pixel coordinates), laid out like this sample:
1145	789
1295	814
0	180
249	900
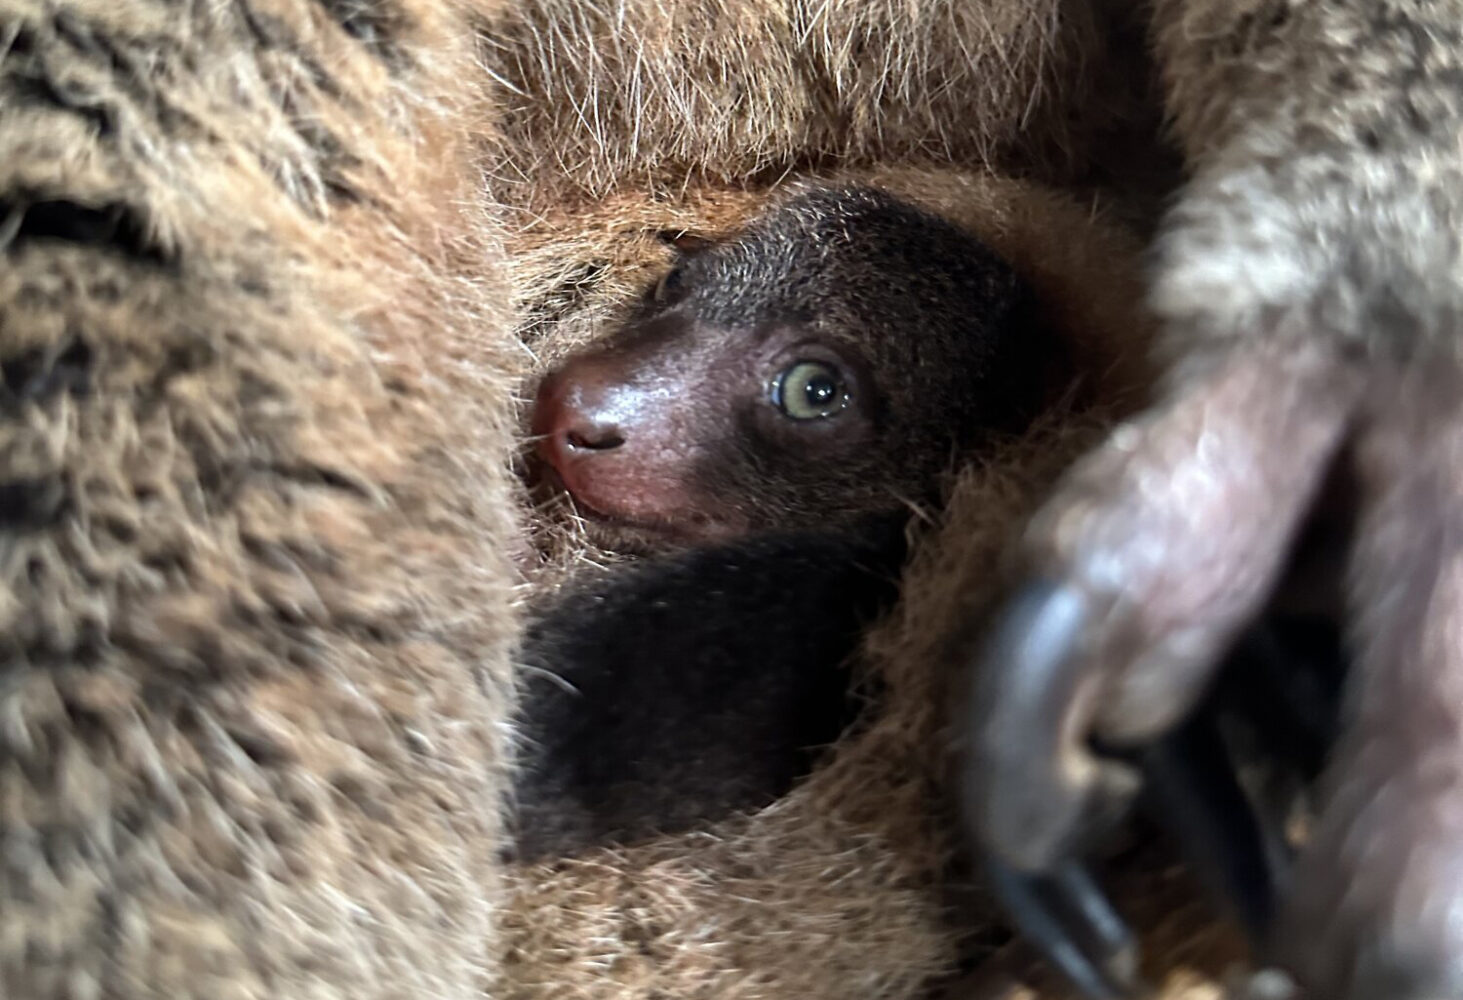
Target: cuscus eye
669	284
810	390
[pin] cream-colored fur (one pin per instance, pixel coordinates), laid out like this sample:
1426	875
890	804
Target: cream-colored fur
256	602
260	544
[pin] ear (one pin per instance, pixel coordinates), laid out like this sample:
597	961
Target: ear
684	241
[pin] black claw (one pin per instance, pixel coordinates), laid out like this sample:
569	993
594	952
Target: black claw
1067	918
1192	791
1106	932
1283	681
1021	799
1028	813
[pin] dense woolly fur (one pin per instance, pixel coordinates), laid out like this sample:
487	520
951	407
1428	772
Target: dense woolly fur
257	531
838	882
852	878
848	878
645	91
255	603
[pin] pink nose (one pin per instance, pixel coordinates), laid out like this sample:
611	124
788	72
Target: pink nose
627	434
571	419
601	434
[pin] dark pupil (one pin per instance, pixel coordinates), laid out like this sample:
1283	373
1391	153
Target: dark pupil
820	391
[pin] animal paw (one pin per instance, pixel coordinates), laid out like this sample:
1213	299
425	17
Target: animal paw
1154	556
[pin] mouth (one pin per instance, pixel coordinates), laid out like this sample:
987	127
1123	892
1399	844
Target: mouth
550	482
617	530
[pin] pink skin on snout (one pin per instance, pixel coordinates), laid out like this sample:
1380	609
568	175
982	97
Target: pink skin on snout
622	433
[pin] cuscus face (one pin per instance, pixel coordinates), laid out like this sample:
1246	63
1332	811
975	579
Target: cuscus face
827	363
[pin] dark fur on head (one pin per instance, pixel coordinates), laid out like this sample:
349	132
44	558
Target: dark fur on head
939	339
687	687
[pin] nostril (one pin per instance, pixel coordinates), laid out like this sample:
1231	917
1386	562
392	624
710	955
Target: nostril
594	438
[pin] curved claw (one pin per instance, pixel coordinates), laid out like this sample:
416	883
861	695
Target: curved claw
1034	789
1154	555
1069	919
1283	679
1047	791
1192	792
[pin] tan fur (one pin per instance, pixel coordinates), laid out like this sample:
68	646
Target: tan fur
602	94
1356	179
256	620
835	884
845	879
839	884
